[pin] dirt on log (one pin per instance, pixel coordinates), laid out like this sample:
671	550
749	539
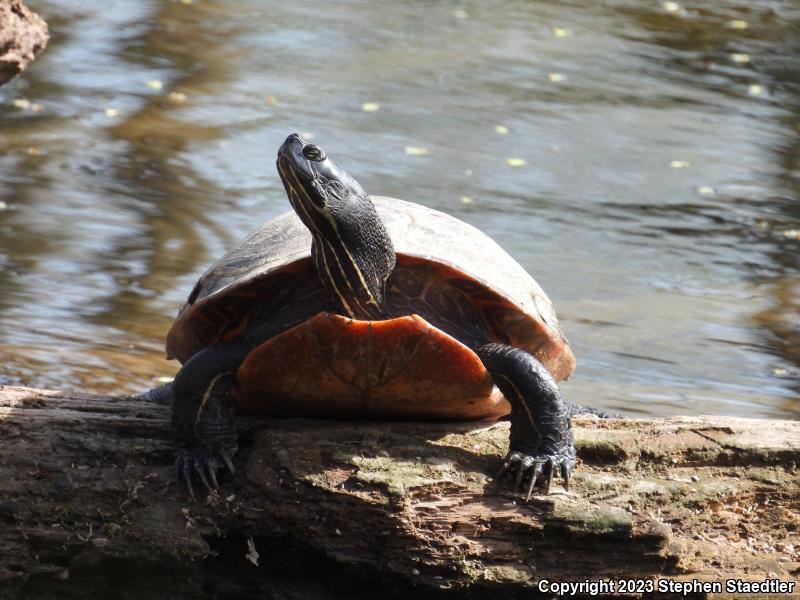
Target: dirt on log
322	509
23	34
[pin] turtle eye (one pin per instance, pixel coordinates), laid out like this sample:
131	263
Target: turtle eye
314	152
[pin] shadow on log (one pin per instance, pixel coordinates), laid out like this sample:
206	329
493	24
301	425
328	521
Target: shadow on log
23	34
322	509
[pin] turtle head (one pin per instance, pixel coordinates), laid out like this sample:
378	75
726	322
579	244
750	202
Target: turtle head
315	185
352	250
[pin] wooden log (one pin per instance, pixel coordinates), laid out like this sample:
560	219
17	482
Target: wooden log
23	34
88	503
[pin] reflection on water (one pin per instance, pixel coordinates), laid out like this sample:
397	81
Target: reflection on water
655	192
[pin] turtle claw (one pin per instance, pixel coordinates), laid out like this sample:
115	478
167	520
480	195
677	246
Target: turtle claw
188	481
524	464
213	466
198	471
226	458
566	473
538	469
202	464
183	471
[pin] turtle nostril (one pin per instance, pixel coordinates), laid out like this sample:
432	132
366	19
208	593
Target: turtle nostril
313	152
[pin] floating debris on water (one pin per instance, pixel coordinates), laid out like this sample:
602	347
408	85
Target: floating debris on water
673	7
516	162
467	200
706	190
754	89
737	24
22	103
792	234
416	150
501	129
679	164
36	107
272	101
165	379
33	151
740	58
155	84
460	13
556	77
778	371
177	97
370	106
561	32
3	205
111	112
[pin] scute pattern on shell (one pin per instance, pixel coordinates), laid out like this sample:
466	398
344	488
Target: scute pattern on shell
417	231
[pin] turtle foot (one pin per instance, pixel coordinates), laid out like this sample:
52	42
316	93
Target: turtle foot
577	409
161	395
538	468
203	464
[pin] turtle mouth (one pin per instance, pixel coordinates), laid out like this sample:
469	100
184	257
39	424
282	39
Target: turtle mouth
308	183
301	179
291	159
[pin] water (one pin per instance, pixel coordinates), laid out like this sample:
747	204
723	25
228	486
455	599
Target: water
658	204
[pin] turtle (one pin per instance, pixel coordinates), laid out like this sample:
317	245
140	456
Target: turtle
355	306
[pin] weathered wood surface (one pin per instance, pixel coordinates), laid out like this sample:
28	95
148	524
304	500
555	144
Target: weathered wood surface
86	490
23	34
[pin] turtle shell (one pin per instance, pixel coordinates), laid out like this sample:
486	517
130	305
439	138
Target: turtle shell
271	272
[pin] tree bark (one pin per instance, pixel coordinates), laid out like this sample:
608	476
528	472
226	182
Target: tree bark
23	34
323	509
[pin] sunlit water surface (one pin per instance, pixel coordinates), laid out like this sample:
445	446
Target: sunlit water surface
658	203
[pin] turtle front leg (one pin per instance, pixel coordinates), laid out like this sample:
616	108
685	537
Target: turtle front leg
541	443
201	412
